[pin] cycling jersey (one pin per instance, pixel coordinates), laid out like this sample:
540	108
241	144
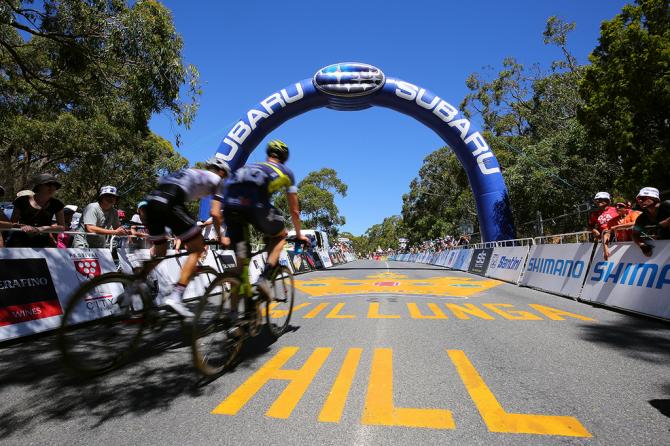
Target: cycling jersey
196	183
254	184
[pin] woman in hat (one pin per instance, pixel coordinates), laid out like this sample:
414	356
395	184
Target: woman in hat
34	214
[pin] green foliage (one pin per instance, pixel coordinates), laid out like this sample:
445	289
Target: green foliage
79	82
385	234
626	94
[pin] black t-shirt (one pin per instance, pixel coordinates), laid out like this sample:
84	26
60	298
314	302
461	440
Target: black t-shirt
646	225
37	217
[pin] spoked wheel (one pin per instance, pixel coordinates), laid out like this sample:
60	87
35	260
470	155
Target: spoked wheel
103	323
279	305
217	336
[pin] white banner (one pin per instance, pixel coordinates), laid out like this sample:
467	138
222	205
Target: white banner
559	269
325	258
631	281
507	263
463	258
451	258
36	284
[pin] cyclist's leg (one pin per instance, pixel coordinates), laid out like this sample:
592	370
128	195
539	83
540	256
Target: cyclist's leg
235	225
155	214
270	222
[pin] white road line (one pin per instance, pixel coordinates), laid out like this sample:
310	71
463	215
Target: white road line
387	266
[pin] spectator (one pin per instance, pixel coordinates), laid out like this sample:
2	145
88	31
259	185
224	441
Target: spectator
599	219
65	240
653	222
620	227
138	225
34	214
99	218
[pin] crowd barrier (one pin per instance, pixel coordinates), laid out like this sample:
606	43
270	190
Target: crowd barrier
36	284
627	280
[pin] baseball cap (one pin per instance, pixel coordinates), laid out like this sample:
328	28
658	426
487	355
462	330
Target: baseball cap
71	208
603	196
108	190
649	192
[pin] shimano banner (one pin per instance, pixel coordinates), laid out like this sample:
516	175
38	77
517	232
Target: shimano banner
357	86
631	281
559	269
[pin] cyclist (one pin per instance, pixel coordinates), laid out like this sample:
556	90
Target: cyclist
166	207
246	200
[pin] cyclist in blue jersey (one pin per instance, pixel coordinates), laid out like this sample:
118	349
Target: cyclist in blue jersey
246	200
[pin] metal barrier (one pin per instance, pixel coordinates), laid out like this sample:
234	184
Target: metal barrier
571	237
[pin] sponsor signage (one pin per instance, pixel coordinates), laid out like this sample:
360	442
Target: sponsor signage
630	280
507	263
300	265
27	291
451	258
462	261
559	269
480	260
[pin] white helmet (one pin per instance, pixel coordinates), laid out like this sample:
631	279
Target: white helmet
219	163
603	196
649	192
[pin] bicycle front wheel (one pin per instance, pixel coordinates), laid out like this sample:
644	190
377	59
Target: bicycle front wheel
103	323
217	335
279	305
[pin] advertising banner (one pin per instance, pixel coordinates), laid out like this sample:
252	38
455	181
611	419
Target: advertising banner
35	285
507	263
480	261
451	258
300	265
462	261
631	281
559	269
286	261
325	258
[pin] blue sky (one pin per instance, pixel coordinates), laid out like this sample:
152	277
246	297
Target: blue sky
250	49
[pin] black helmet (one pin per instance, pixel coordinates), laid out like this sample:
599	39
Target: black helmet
219	164
277	149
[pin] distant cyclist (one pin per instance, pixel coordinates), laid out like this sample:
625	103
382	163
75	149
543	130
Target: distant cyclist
247	200
167	208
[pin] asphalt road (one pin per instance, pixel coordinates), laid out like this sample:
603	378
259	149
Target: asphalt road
379	353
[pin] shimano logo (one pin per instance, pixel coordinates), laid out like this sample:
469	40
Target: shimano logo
556	267
647	275
508	262
447	113
23	283
241	131
349	79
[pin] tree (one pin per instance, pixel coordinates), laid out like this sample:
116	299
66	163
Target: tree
385	234
78	84
626	94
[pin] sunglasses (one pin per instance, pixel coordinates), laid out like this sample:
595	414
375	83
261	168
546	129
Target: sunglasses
621	206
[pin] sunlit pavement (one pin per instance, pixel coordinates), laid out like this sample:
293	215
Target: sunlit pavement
378	353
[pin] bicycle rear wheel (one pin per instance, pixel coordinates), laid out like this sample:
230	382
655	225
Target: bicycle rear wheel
217	335
279	305
103	323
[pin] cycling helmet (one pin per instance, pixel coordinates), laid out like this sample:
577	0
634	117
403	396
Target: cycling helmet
219	164
277	149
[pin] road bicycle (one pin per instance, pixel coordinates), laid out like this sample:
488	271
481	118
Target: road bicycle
105	318
233	309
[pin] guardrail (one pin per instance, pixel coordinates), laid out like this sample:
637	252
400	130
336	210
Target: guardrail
579	237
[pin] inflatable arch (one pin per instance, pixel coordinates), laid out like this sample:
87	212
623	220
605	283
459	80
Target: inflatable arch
357	86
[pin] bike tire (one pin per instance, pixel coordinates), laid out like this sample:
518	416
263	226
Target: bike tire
100	329
216	337
279	304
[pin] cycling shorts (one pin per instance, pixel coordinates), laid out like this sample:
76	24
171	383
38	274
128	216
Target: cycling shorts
166	208
265	219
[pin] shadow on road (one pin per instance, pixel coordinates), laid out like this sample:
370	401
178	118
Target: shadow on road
35	387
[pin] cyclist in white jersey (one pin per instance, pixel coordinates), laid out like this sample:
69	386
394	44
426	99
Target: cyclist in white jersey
166	208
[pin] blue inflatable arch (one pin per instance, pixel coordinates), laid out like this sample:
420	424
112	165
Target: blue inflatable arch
357	86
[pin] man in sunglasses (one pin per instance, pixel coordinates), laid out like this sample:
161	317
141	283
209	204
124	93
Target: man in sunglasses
599	219
654	222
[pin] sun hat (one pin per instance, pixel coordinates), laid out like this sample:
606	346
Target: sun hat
108	190
603	196
44	178
649	192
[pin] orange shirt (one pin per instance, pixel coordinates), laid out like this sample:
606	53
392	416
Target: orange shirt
624	235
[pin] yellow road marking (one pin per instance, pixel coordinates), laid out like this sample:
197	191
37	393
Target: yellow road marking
513	315
334	405
316	310
555	314
380	409
416	313
495	417
335	313
299	381
373	312
462	311
282	313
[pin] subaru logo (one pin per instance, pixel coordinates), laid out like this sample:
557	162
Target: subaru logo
349	79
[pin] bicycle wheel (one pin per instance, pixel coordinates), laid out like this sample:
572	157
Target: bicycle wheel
103	323
217	338
279	305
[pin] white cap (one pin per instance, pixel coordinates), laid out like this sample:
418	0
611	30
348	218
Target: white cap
23	193
603	196
136	219
108	190
71	207
649	192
